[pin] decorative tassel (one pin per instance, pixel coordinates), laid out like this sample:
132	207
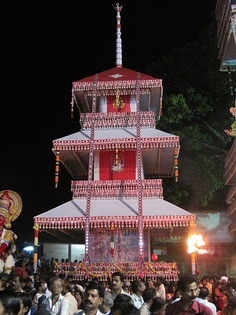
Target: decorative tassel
176	164
57	169
72	106
112	248
117	159
230	81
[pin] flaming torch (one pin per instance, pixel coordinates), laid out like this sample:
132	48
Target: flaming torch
194	243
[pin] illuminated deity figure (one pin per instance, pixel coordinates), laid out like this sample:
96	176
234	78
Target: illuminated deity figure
10	208
232	131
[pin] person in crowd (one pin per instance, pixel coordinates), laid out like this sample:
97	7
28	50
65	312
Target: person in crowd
117	282
123	298
67	292
137	290
9	264
203	298
26	304
158	306
230	309
45	284
187	304
206	283
7	285
127	286
148	295
224	279
28	287
57	304
217	293
150	283
92	300
161	291
40	290
79	298
108	302
17	282
10	303
176	296
222	300
170	293
36	277
124	309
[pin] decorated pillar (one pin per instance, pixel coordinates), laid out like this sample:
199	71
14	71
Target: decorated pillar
36	242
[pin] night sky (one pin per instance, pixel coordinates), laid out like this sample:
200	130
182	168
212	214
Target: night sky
45	46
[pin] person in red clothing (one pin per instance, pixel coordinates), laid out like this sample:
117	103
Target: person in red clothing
187	304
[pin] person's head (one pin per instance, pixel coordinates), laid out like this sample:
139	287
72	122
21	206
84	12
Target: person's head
70	278
123	298
117	281
56	285
17	284
26	303
188	288
149	283
231	292
28	285
160	281
176	294
10	303
203	293
138	286
78	295
67	289
124	309
149	294
107	302
158	306
126	286
93	296
224	279
36	277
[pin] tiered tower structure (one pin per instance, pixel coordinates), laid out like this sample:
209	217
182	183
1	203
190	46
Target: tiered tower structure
118	160
226	31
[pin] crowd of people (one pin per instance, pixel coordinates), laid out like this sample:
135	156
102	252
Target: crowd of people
59	295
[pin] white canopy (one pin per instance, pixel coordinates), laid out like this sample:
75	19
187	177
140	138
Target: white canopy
120	212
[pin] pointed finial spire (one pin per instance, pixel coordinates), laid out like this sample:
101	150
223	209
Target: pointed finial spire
118	9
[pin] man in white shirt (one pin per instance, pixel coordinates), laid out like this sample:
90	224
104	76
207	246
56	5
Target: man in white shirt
40	290
92	300
137	288
148	295
117	282
161	291
67	292
203	298
57	304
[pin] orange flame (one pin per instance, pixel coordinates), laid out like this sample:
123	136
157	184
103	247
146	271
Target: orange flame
194	243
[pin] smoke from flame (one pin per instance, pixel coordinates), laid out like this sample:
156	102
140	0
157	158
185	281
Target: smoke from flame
194	243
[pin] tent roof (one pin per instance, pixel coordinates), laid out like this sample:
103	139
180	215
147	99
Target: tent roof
157	149
119	75
122	79
120	212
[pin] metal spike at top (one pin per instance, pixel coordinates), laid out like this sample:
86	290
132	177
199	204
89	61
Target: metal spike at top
118	9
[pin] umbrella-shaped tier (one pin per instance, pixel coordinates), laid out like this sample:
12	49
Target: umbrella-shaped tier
226	20
158	150
121	80
120	213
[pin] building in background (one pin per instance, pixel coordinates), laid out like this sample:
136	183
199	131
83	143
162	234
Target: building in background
226	32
